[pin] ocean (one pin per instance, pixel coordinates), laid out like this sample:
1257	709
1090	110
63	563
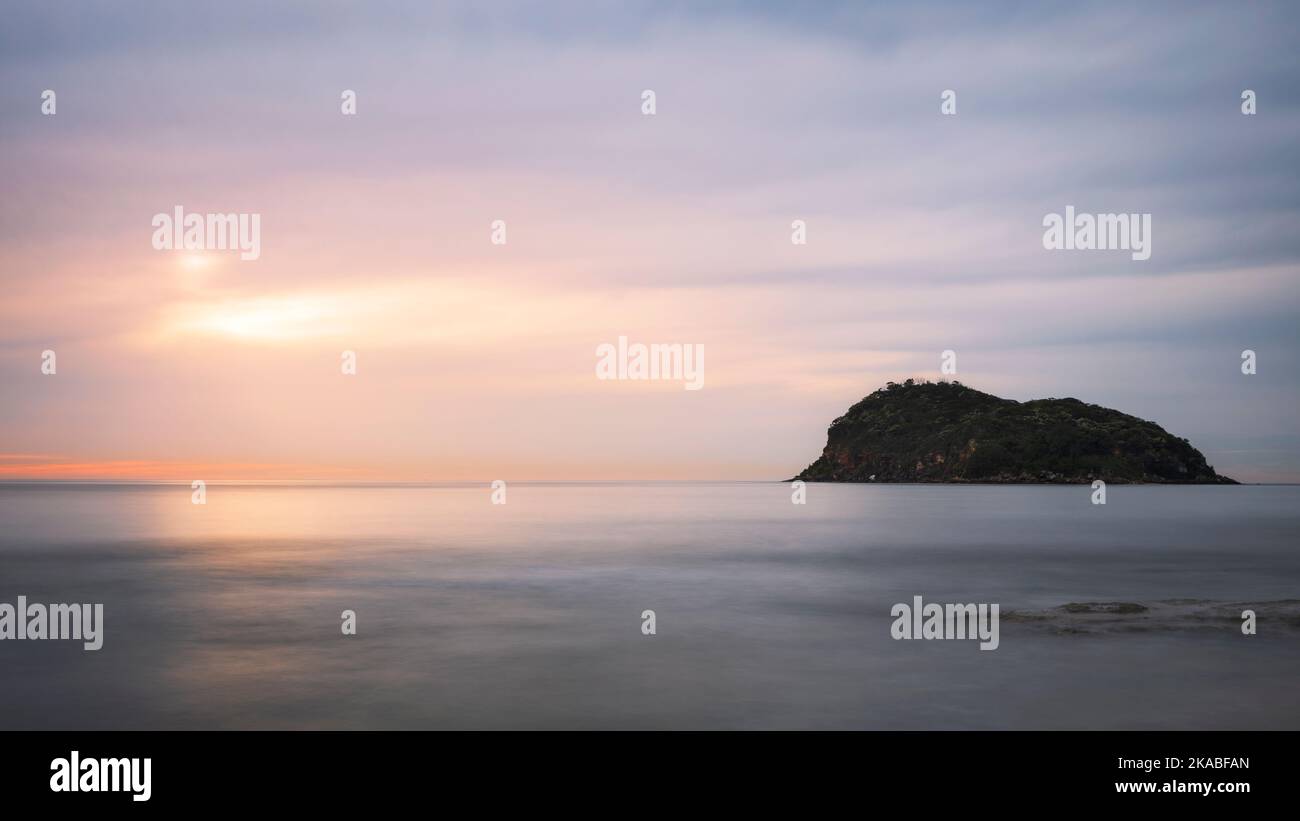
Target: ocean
767	614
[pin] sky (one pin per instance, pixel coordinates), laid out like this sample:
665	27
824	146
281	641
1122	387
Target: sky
477	361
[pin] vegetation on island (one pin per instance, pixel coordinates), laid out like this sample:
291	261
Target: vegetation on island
920	431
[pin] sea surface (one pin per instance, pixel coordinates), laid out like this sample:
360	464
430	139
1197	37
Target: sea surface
768	614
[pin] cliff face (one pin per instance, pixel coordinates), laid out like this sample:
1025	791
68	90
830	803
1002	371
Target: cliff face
947	432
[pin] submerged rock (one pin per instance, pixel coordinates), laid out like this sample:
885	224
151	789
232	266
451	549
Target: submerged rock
1167	615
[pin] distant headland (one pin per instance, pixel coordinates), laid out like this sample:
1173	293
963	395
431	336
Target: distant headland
948	432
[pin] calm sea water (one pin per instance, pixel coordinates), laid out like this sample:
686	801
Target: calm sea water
528	614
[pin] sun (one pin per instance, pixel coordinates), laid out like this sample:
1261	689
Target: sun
195	262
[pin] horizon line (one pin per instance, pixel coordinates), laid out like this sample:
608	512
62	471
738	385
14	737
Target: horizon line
488	482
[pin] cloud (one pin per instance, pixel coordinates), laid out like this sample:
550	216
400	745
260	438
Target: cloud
924	231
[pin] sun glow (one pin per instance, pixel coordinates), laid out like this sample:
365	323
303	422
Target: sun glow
409	313
267	319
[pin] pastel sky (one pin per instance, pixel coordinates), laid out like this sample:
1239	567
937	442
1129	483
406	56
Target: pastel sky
477	361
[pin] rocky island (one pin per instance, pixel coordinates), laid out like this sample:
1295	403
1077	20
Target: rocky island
948	432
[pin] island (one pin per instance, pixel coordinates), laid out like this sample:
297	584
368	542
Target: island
921	431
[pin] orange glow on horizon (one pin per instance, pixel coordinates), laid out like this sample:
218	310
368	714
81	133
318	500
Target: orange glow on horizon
17	467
